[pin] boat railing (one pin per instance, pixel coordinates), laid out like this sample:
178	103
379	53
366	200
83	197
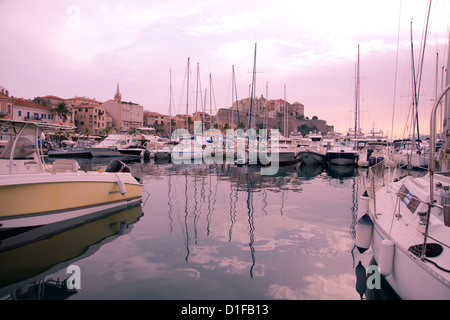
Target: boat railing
376	180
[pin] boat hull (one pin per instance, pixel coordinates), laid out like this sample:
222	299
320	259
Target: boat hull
419	161
400	213
425	285
78	153
162	154
105	152
33	200
138	152
310	157
342	157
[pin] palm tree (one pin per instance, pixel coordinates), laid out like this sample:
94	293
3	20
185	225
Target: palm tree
62	111
106	131
87	132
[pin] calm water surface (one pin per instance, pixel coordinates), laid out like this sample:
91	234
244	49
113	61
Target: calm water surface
209	232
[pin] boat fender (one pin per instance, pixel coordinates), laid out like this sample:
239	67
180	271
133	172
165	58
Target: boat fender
121	186
386	260
363	233
361	279
363	205
379	159
363	163
372	161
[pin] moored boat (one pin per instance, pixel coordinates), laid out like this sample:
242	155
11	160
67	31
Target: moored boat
342	154
34	193
406	222
110	146
313	152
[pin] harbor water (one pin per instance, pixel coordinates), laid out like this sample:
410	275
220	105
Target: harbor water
206	232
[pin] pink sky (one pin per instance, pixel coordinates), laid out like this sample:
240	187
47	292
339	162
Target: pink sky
83	48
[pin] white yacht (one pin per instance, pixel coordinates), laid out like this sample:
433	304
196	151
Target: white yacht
373	151
406	222
342	154
110	146
313	152
287	151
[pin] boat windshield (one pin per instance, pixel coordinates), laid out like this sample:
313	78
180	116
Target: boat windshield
24	148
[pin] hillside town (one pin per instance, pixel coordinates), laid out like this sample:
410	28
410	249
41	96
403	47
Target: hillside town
88	115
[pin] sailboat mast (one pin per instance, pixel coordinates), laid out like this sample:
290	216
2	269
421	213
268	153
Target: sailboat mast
251	95
196	89
170	105
232	97
357	99
204	111
210	102
237	102
187	96
285	115
414	85
266	106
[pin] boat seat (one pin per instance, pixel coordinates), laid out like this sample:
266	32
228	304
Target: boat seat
65	165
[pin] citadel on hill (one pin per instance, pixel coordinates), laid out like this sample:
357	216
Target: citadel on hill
100	118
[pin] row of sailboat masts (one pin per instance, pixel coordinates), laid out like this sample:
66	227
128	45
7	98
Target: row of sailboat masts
202	102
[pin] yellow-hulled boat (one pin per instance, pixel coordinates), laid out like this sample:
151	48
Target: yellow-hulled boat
33	193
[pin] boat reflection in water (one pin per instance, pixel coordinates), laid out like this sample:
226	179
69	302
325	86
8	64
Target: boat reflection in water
27	258
380	290
310	170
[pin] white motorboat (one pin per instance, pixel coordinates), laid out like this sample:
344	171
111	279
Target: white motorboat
342	154
372	152
286	149
34	193
406	222
313	152
415	155
110	146
164	152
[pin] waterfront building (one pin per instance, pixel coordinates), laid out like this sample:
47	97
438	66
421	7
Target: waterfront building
126	116
27	110
6	104
158	121
51	102
93	117
77	101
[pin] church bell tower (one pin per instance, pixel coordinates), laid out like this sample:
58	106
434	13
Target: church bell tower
117	96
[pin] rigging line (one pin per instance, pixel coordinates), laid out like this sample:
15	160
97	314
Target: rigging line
396	67
181	93
419	76
414	86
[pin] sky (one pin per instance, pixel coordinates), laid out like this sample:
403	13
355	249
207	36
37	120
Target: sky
306	51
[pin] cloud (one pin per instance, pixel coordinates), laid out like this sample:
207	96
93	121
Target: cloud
220	24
